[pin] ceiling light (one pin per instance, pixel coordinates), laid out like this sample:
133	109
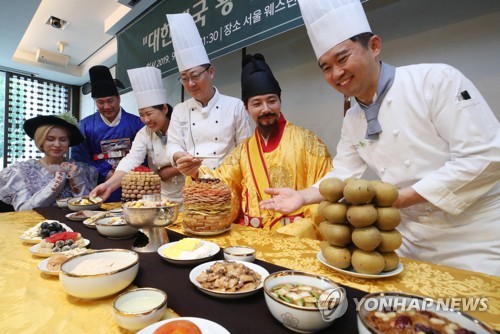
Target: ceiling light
57	23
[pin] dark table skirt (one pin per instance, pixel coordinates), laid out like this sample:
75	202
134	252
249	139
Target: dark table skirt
245	315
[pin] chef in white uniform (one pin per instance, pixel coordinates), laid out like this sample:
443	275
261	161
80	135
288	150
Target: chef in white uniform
208	125
151	140
424	128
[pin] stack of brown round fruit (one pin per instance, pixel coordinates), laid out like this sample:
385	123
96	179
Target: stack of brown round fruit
360	225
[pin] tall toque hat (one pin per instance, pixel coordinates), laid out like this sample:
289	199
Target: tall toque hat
147	86
188	46
257	78
330	22
102	84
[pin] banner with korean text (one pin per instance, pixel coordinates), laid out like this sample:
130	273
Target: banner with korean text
224	26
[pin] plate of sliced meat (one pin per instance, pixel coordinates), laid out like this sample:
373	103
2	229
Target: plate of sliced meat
228	279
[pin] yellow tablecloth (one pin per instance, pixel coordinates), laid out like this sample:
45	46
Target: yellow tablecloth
418	278
33	303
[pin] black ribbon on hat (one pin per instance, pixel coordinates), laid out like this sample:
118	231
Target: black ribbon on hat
385	80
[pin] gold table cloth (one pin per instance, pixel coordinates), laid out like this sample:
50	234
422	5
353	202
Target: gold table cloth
32	302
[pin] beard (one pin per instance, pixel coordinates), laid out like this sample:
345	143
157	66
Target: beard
267	125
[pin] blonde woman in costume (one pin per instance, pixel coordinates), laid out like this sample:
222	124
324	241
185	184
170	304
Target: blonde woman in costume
39	182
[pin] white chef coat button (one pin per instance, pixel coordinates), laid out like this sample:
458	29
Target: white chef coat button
407	163
388	100
395	132
382	170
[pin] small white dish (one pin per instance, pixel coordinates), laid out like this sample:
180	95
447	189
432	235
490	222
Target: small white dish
351	271
63	202
190	257
35	249
42	266
239	253
90	222
139	308
206	326
79	218
227	295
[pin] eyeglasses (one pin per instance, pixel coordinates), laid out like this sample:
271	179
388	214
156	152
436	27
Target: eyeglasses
194	77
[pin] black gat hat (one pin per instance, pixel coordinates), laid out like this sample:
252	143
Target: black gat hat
102	83
257	78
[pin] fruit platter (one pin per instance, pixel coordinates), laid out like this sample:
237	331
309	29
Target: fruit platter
59	243
43	230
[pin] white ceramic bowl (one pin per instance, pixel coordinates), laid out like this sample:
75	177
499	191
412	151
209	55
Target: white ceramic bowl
239	253
303	319
139	308
72	204
99	282
381	301
62	202
120	231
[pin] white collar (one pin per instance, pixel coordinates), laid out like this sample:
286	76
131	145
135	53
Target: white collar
115	122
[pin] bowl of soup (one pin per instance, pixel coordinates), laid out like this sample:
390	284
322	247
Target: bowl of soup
138	308
304	302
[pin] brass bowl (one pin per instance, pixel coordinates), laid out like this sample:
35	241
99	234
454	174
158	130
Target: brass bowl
151	216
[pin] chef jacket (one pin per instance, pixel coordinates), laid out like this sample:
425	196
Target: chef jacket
148	143
211	131
440	137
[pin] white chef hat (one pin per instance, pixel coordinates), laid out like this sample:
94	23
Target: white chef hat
330	22
188	46
147	86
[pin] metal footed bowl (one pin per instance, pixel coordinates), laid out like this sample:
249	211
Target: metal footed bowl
144	217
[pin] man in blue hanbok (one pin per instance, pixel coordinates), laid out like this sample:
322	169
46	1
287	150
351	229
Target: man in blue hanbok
108	133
